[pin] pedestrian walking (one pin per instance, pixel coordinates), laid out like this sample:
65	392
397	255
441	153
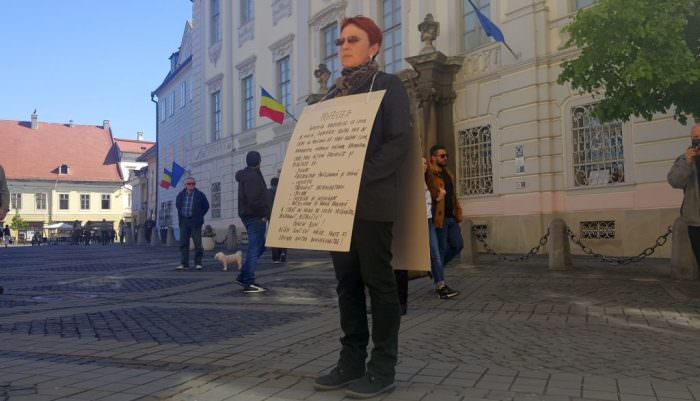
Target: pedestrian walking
685	175
436	267
4	208
7	235
279	255
104	231
447	213
368	262
191	205
254	210
122	231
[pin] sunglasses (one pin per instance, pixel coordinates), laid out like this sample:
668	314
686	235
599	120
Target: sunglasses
189	183
442	156
351	40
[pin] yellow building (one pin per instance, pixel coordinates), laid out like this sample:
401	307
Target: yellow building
60	173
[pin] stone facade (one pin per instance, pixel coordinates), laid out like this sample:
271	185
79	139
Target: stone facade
508	113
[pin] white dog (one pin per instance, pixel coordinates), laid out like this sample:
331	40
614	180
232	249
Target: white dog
226	260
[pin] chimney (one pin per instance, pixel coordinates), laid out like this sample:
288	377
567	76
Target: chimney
35	120
71	124
105	125
139	136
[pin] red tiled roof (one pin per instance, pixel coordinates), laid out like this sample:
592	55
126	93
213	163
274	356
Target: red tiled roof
133	146
28	154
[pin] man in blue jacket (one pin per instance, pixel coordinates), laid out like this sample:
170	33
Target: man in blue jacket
253	209
191	205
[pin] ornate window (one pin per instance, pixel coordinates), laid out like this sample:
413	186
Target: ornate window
475	168
84	201
285	82
16	200
604	229
474	35
40	201
248	103
215	22
392	35
216	200
598	156
216	115
329	53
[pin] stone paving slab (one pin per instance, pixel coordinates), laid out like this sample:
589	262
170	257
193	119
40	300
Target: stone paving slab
118	323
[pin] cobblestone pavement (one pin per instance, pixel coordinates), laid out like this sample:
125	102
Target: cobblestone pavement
119	323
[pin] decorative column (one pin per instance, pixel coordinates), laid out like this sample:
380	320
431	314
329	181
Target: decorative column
433	90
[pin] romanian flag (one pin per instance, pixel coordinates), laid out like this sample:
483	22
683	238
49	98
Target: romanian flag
165	180
271	108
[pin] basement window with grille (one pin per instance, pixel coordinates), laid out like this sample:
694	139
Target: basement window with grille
481	231
602	229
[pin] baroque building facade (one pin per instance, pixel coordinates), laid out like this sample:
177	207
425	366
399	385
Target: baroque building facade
524	148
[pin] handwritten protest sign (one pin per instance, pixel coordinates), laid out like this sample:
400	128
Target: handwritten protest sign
320	180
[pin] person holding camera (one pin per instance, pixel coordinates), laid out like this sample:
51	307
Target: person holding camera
685	175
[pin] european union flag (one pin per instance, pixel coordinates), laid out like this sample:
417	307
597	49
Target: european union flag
177	173
490	29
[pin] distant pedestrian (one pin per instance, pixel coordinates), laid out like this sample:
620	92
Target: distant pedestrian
104	231
191	205
122	231
4	195
253	209
685	175
279	255
436	266
447	213
6	235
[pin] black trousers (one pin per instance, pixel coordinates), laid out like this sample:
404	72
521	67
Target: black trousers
402	283
189	230
278	253
368	264
694	234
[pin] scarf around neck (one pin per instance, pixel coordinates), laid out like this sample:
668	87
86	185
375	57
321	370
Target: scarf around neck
354	78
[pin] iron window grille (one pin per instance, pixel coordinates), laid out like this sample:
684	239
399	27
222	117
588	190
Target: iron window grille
216	200
475	168
601	229
598	154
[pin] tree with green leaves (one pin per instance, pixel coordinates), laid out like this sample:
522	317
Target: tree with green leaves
639	56
17	223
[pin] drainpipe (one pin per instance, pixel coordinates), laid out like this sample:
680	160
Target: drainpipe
155	211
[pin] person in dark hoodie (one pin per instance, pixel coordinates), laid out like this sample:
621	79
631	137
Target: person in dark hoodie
254	210
279	255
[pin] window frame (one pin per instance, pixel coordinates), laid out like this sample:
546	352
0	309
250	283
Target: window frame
108	199
215	16
84	197
284	81
216	115
247	103
183	93
478	30
329	34
16	200
246	8
40	199
461	177
61	198
389	32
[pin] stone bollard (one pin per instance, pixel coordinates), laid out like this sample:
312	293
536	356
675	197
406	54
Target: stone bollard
155	237
171	238
558	246
470	253
129	236
231	238
683	263
141	236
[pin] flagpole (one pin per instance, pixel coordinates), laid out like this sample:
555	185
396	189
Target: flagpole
511	50
290	115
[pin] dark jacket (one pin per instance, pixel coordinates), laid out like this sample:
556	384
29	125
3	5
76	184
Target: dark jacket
4	192
200	206
389	142
252	193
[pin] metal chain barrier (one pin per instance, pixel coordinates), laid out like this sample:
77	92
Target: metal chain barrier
533	251
660	241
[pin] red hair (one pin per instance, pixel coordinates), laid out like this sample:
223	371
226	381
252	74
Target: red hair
374	33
